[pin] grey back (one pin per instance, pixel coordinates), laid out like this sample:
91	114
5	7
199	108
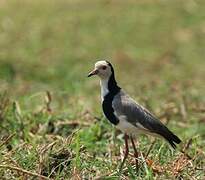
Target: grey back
123	104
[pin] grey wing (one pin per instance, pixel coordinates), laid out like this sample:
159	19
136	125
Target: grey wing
139	116
134	113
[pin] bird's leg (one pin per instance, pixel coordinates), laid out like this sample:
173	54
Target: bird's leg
126	137
135	153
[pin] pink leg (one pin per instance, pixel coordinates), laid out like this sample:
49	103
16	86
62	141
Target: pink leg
126	137
135	153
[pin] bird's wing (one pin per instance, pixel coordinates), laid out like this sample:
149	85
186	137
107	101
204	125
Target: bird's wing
141	117
135	113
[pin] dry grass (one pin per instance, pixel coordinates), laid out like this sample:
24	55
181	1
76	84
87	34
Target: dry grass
51	124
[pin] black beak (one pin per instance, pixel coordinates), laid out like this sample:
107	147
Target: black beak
92	73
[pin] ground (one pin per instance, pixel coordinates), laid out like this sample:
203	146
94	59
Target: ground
51	122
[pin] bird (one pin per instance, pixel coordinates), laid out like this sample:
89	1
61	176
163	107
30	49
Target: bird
125	113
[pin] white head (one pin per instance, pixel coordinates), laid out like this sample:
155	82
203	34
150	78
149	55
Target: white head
103	69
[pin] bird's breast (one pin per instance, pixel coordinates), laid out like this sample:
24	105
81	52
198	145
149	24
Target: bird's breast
108	109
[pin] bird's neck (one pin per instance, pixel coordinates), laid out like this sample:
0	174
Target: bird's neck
109	86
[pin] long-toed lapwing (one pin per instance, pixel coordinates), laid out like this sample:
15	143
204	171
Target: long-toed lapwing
126	114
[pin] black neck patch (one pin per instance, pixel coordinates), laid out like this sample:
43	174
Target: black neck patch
107	102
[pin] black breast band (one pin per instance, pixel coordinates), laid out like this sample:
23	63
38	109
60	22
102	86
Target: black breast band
107	102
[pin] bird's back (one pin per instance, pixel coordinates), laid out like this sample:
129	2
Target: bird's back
141	118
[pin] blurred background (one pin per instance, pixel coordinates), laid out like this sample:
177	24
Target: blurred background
157	49
53	44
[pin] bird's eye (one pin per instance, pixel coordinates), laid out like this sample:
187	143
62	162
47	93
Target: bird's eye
104	67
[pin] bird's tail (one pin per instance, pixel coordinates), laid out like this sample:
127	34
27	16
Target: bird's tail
171	138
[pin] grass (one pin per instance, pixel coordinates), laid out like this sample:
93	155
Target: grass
50	113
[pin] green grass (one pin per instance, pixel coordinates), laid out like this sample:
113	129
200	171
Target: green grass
157	48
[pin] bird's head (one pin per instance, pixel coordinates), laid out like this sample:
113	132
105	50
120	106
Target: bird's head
103	69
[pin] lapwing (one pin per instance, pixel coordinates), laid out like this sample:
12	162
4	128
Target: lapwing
125	113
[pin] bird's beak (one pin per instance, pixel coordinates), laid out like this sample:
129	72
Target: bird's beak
92	73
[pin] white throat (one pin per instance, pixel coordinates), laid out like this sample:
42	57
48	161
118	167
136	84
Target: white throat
104	88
